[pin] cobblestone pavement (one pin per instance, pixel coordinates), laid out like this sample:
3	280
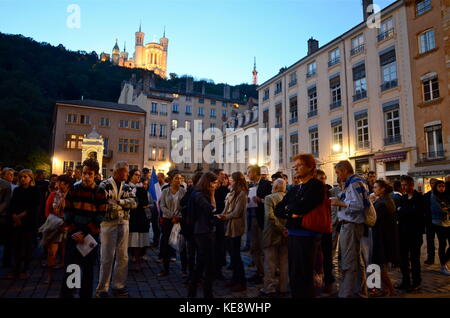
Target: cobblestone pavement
146	283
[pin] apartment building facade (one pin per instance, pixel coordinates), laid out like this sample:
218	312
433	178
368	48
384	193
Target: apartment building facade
349	99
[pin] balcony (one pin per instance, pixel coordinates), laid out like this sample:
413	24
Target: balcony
292	83
265	125
188	113
335	104
388	85
363	144
312	113
278	123
107	154
200	114
432	155
392	140
154	112
277	91
359	95
293	120
163	113
266	97
163	136
334	61
311	74
385	35
174	111
358	49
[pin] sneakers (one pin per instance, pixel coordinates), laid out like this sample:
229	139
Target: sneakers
445	270
123	292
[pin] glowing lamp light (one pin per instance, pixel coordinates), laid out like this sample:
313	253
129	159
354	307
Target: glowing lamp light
336	147
253	162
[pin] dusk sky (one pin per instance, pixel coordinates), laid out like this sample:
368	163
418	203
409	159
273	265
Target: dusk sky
207	39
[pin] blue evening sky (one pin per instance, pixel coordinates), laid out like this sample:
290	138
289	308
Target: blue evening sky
207	39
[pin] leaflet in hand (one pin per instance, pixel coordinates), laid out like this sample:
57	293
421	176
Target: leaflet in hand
88	245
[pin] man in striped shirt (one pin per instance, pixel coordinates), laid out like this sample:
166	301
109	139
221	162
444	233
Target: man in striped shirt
85	208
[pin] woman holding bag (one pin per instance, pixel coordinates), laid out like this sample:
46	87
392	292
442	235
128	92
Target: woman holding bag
302	243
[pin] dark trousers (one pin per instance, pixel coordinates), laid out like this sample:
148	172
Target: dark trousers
22	248
166	249
302	255
443	234
204	266
431	233
410	244
7	242
248	238
191	256
86	264
236	260
155	226
219	247
327	252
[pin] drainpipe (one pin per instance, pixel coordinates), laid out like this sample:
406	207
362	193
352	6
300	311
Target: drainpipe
346	97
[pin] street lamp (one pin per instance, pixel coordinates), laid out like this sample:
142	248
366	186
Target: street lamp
336	147
253	162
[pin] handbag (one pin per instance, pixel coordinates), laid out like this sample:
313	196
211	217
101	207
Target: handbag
371	216
175	237
319	218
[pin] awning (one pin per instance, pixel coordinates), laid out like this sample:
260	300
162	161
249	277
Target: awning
389	157
429	171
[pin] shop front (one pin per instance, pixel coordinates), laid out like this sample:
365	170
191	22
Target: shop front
422	175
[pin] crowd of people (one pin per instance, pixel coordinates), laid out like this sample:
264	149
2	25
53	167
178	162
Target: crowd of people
293	232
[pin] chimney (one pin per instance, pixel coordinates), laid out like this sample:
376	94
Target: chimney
365	5
226	91
189	84
313	46
235	93
203	88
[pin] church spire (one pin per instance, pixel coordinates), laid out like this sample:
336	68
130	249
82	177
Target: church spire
164	34
254	73
140	26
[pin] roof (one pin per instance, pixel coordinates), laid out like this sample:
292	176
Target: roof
102	105
332	42
196	94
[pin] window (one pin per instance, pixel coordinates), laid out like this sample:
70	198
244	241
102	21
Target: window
335	90
70	164
292	79
213	102
153	151
201	111
163	109
362	131
174	124
175	108
212	113
280	149
135	124
266	94
85	120
188	98
201	100
123	145
430	89
336	134
162	154
312	69
104	122
278	87
212	126
188	110
423	6
435	146
314	141
312	102
393	165
154	108
187	125
153	130
278	116
294	145
293	110
334	57
123	123
224	113
266	118
359	82
162	130
105	146
392	123
73	141
134	145
224	104
357	44
388	66
133	167
71	118
386	30
426	41
362	166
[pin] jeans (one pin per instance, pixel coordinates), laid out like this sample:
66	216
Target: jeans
166	249
22	244
248	238
301	257
86	264
430	231
236	260
204	266
443	234
276	256
327	252
352	264
410	244
219	247
191	256
114	243
256	247
155	226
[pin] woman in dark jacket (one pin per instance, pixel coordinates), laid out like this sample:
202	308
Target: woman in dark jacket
23	208
201	208
302	243
385	240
